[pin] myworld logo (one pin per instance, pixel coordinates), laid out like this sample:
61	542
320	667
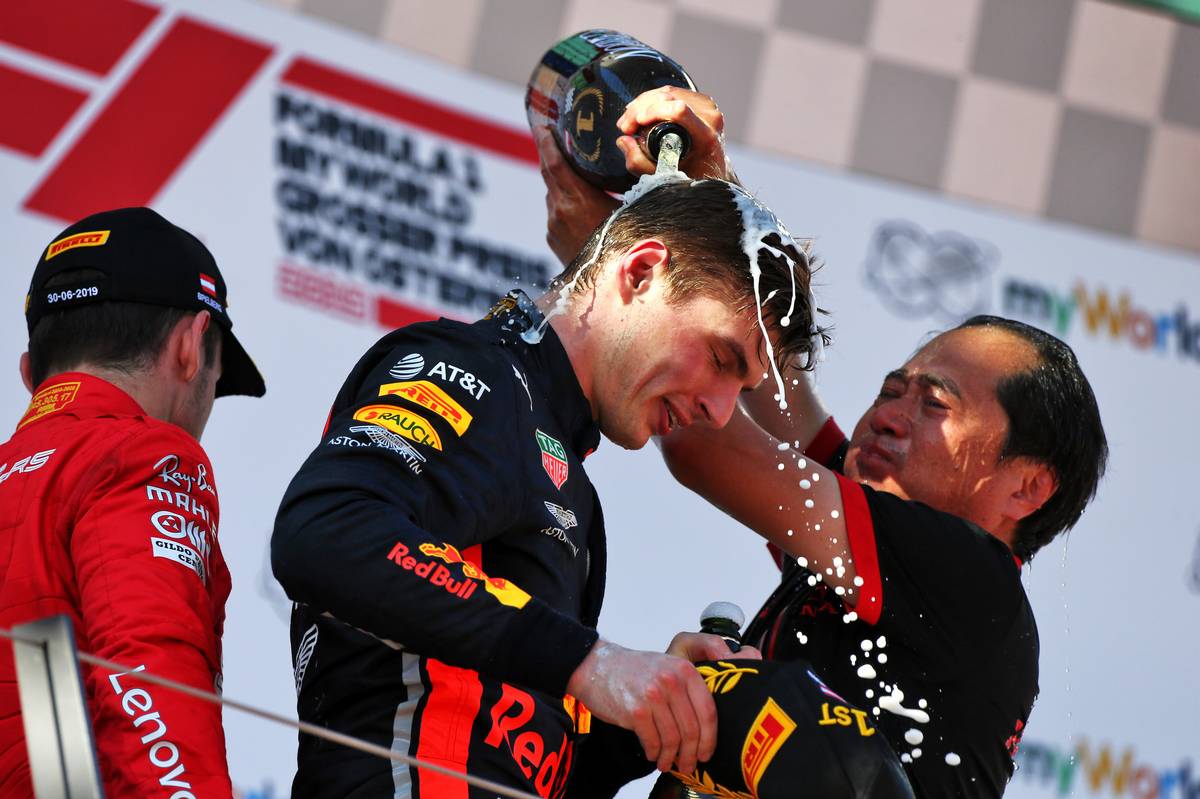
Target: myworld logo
1097	312
1104	770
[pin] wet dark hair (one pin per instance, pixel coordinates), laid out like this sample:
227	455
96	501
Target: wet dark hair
702	227
1053	418
122	336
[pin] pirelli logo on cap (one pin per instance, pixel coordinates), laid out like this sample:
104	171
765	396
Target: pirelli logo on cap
766	736
93	238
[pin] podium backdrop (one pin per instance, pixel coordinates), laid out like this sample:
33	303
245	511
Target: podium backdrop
346	188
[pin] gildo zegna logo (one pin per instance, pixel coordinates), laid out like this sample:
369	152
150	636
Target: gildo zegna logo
917	274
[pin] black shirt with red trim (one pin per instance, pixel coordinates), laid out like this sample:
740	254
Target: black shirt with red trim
446	552
942	645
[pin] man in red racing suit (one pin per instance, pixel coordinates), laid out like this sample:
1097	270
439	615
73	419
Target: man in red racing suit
108	507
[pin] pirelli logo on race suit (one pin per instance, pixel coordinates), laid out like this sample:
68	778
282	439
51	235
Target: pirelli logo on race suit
505	592
50	399
432	398
93	238
411	425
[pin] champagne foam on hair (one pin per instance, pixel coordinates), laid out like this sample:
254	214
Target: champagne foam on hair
759	222
645	184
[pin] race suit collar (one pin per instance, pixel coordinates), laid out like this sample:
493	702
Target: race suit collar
81	395
516	319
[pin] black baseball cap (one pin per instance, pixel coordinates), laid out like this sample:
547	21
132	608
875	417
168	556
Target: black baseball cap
142	258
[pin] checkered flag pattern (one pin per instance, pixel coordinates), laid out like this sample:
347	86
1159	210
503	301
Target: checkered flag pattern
1081	111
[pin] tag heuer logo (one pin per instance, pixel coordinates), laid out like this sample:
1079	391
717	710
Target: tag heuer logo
554	458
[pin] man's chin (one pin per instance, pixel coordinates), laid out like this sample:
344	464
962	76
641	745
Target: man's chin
626	439
877	479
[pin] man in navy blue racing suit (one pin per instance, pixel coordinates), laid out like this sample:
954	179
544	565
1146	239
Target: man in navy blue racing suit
444	545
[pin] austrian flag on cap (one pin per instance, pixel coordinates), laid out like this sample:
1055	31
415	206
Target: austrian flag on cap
208	284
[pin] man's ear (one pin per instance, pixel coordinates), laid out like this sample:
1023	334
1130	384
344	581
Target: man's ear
642	264
185	346
1037	484
26	372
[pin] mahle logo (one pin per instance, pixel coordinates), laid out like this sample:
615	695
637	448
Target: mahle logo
1103	314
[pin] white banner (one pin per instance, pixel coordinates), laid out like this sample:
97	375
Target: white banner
346	188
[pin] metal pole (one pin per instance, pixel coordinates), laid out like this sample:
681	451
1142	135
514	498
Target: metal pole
58	735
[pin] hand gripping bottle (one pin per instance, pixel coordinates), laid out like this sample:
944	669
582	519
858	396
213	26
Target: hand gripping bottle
581	87
719	618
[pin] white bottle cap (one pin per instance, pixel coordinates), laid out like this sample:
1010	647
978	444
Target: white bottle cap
723	610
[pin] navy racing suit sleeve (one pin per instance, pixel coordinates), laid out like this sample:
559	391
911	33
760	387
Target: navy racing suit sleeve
381	527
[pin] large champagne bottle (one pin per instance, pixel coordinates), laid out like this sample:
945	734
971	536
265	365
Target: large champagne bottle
581	87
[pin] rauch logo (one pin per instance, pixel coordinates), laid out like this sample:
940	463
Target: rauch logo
1103	770
1104	314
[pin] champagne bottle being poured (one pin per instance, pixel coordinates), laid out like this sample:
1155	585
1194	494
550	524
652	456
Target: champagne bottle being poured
580	88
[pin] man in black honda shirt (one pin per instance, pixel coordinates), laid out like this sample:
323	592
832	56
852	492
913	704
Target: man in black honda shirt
444	545
904	545
902	585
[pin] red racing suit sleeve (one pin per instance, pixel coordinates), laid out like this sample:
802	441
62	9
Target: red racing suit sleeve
378	527
152	587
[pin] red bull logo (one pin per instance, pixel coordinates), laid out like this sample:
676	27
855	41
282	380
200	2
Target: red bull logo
435	573
505	592
515	727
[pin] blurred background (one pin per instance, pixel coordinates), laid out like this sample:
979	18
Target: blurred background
1033	158
1082	111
